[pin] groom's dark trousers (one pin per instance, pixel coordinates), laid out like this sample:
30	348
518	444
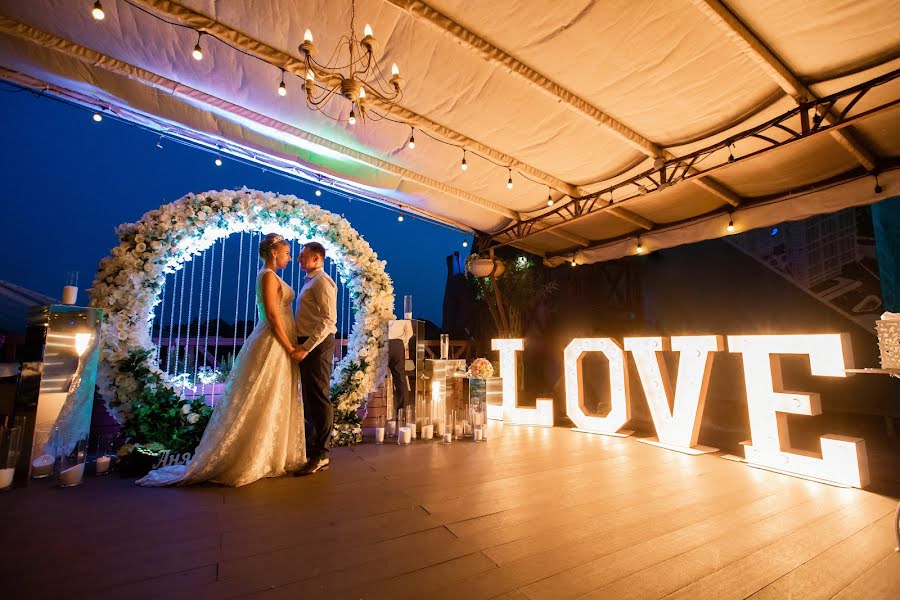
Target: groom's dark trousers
315	377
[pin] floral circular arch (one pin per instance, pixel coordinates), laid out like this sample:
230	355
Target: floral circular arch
129	283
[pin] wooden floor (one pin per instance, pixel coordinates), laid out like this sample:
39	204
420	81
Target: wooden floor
534	513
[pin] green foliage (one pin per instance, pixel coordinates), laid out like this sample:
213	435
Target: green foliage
522	287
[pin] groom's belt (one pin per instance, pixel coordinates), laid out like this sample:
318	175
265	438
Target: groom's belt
301	339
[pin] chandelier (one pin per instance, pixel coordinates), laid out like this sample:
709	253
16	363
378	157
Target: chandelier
351	73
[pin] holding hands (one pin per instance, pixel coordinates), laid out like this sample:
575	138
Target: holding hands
299	353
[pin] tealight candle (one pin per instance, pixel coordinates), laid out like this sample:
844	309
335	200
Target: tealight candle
42	466
404	435
427	432
72	475
391	428
412	430
103	464
6	477
479	434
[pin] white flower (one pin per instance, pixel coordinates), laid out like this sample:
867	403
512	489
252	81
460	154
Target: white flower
186	409
193	418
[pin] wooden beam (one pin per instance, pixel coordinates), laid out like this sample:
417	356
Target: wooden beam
631	217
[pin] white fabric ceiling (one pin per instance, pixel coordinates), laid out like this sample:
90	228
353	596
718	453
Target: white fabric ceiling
573	96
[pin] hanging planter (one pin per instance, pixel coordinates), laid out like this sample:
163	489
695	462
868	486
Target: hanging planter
482	267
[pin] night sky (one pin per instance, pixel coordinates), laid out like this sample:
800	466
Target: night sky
68	181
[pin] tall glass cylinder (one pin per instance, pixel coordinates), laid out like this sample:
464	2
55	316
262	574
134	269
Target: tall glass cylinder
10	446
379	429
447	429
72	455
411	421
407	307
105	453
459	424
445	346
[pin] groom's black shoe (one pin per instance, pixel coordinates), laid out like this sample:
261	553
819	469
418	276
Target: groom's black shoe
315	465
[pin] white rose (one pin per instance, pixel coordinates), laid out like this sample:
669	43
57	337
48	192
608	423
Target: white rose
186	409
193	418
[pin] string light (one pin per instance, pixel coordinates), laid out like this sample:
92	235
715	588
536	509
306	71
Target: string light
640	246
98	117
730	155
97	11
282	89
878	188
198	51
730	227
549	198
464	166
318	192
159	143
352	119
218	162
465	243
574	264
411	144
509	182
400	218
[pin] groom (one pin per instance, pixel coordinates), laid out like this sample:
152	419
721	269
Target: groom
316	318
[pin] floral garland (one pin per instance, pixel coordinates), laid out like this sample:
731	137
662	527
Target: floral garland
128	285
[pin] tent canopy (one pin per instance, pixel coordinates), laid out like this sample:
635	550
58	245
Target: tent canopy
657	121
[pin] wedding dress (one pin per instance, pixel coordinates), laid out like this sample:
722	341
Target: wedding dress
256	429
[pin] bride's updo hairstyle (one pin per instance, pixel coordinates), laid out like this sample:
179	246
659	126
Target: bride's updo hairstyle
269	243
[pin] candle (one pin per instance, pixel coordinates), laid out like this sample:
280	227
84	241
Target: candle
446	438
6	477
392	428
70	294
379	435
42	466
439	428
412	430
427	432
458	430
72	475
404	435
478	434
103	464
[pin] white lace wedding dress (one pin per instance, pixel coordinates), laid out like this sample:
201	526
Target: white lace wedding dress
256	429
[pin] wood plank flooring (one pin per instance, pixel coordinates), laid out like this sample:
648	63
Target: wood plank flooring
532	514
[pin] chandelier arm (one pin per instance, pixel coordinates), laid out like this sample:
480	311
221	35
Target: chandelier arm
327	94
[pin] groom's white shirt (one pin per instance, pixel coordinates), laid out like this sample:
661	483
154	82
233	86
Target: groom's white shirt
317	308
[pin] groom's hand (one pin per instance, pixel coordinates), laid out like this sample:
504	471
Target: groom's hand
299	353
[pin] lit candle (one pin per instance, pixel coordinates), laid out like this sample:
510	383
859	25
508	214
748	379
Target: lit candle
479	434
379	435
427	432
446	438
404	435
412	430
458	430
6	477
392	428
103	464
42	466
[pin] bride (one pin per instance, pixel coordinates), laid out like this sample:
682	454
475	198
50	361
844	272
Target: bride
256	429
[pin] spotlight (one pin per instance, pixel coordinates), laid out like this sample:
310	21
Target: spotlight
509	182
218	162
318	192
400	218
463	165
98	117
412	140
97	11
352	119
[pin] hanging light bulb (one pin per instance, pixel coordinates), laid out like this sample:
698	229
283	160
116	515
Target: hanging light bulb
549	198
282	89
97	11
318	192
730	155
465	243
509	181
412	139
463	165
730	227
159	143
218	162
640	247
198	51
400	218
574	264
98	117
307	36
367	30
352	119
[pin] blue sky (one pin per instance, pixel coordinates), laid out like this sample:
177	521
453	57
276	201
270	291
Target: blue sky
68	181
